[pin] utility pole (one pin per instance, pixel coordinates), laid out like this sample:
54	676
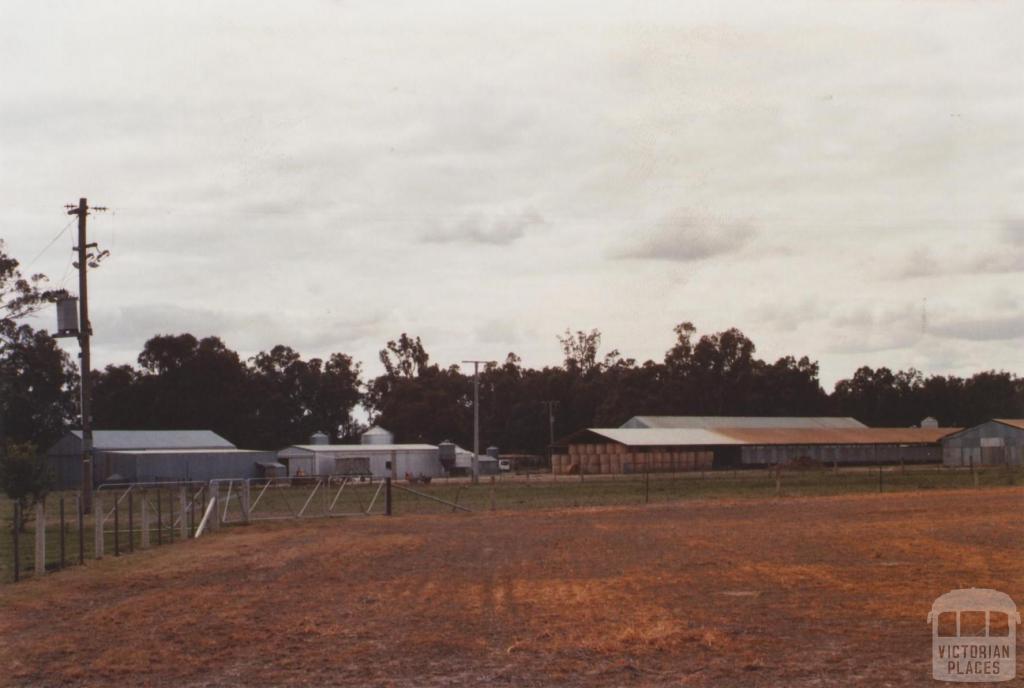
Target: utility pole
476	418
550	403
85	259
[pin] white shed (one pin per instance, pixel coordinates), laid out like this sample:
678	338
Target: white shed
339	459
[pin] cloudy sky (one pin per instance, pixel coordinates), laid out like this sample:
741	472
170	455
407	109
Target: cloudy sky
839	179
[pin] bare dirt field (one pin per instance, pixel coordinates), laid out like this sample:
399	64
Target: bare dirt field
801	591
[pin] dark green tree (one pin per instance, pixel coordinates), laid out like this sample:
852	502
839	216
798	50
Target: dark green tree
24	476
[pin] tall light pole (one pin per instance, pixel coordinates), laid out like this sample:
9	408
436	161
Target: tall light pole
476	418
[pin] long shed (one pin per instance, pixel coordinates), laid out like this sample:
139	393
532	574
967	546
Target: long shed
64	457
418	460
616	450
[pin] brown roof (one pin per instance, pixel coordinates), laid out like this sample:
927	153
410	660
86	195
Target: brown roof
837	435
1012	422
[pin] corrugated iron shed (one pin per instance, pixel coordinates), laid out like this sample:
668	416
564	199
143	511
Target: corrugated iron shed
1012	422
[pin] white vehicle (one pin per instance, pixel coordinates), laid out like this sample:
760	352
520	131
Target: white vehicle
504	465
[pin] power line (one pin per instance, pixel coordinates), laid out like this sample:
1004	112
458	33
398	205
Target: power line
52	242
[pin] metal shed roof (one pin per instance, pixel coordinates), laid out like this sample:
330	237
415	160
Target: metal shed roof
171	452
778	436
301	449
1011	422
700	437
156	439
715	422
652	437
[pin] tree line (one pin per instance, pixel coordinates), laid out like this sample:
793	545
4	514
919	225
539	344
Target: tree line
277	397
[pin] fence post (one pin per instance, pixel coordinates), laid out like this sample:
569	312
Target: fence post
879	478
183	503
647	487
778	480
492	493
97	519
159	517
245	500
131	523
144	535
40	562
81	529
117	526
14	535
387	496
215	520
62	551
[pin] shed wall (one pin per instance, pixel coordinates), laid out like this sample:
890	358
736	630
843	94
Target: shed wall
990	443
841	454
196	466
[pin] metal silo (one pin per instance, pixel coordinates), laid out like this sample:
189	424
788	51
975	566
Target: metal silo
446	453
318	438
377	435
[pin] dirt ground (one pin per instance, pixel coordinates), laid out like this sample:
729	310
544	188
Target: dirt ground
794	591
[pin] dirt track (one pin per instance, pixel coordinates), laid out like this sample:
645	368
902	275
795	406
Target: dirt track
800	591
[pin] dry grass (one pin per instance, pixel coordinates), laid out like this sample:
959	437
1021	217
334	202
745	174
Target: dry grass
797	592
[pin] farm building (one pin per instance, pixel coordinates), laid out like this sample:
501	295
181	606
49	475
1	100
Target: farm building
362	459
154	465
996	442
625	450
175	453
488	465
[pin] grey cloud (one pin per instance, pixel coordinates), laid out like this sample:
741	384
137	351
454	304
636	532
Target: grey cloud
477	229
687	240
995	328
1005	260
789	315
870	329
1013	230
1001	254
126	329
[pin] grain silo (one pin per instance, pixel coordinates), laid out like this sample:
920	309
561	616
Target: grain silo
377	435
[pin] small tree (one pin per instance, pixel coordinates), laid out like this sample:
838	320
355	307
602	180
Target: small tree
24	477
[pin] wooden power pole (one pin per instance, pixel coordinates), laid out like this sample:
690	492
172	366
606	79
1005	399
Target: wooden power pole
476	418
85	258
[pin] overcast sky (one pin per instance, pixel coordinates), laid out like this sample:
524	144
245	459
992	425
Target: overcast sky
838	179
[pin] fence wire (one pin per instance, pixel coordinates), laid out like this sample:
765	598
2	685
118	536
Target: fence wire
134	515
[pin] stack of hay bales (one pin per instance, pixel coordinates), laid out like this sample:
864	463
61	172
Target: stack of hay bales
610	459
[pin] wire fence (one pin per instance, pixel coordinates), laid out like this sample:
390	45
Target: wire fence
57	533
130	517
